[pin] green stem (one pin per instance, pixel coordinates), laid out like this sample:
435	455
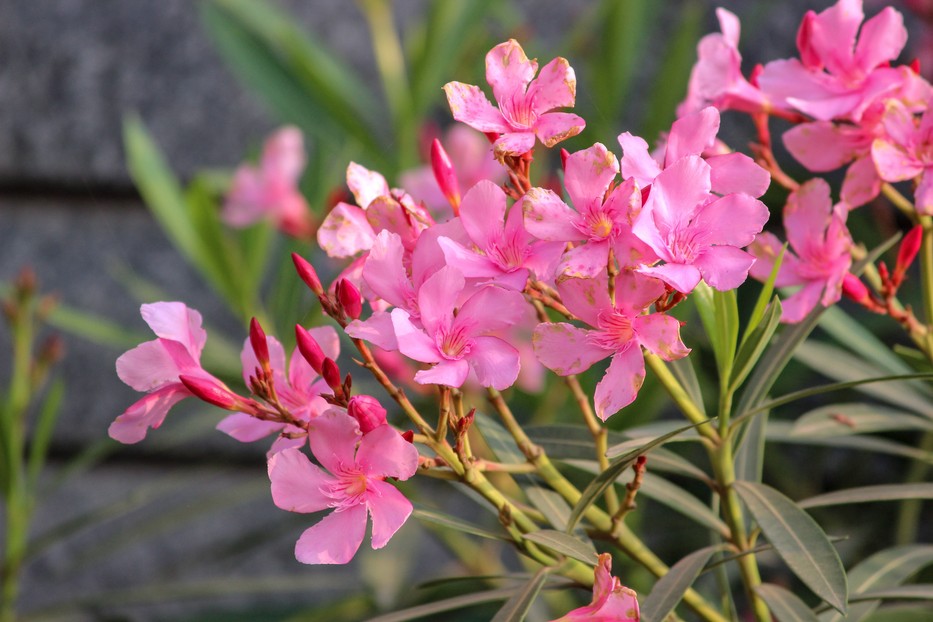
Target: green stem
690	410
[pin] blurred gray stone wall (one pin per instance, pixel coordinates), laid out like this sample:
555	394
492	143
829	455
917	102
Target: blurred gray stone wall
69	71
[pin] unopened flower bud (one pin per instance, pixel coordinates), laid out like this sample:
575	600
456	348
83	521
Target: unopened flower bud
308	274
409	436
915	66
808	55
445	175
756	72
331	374
212	393
350	299
564	154
257	339
854	289
367	411
309	348
906	254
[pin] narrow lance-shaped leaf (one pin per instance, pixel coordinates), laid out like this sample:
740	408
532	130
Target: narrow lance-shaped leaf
516	608
764	297
551	504
452	522
850	418
754	345
784	604
565	544
799	541
670	589
871	494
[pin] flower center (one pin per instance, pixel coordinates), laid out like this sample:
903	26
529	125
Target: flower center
683	244
615	332
517	111
508	254
454	343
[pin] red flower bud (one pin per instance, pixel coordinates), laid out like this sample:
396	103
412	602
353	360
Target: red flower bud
212	393
257	339
906	254
367	411
445	175
331	374
409	435
308	274
854	289
350	299
564	154
755	74
309	349
915	66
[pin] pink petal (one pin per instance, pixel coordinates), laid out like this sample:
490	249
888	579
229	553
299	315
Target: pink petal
660	333
636	160
175	321
514	144
833	34
384	453
807	214
543	259
635	292
345	231
587	175
587	260
246	428
553	127
384	270
365	184
585	298
495	362
923	197
283	156
555	87
389	509
412	341
549	218
276	358
801	302
300	373
470	264
861	183
482	213
149	412
491	309
378	330
736	172
766	249
297	484
469	105
823	146
681	277
675	195
565	349
153	364
724	267
448	373
729	25
881	40
508	70
894	163
692	134
427	256
334	540
245	203
436	297
734	219
619	386
898	123
333	436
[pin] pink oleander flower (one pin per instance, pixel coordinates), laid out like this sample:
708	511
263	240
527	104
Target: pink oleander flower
841	71
457	340
472	160
716	78
905	151
619	330
351	229
694	134
353	484
612	601
600	221
820	260
270	190
155	367
500	249
297	386
696	234
524	101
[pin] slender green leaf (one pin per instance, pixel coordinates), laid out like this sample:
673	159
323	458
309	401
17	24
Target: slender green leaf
451	522
670	589
42	433
750	449
784	604
885	569
764	297
856	418
871	494
499	440
779	431
754	345
901	592
94	328
445	605
551	504
714	313
516	608
565	544
616	467
687	377
903	613
799	541
680	500
855	336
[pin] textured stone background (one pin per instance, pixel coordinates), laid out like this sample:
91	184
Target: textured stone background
69	70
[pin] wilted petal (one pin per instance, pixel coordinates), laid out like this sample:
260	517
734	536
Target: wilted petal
297	484
587	175
149	412
586	260
514	144
660	333
334	540
469	105
555	87
389	509
585	298
565	349
619	386
365	184
508	70
495	362
549	218
553	127
345	231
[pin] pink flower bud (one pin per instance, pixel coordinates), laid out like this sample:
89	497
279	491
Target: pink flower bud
910	246
755	74
915	66
212	393
854	289
257	339
367	411
308	274
331	374
309	349
350	299
564	154
445	175
808	56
